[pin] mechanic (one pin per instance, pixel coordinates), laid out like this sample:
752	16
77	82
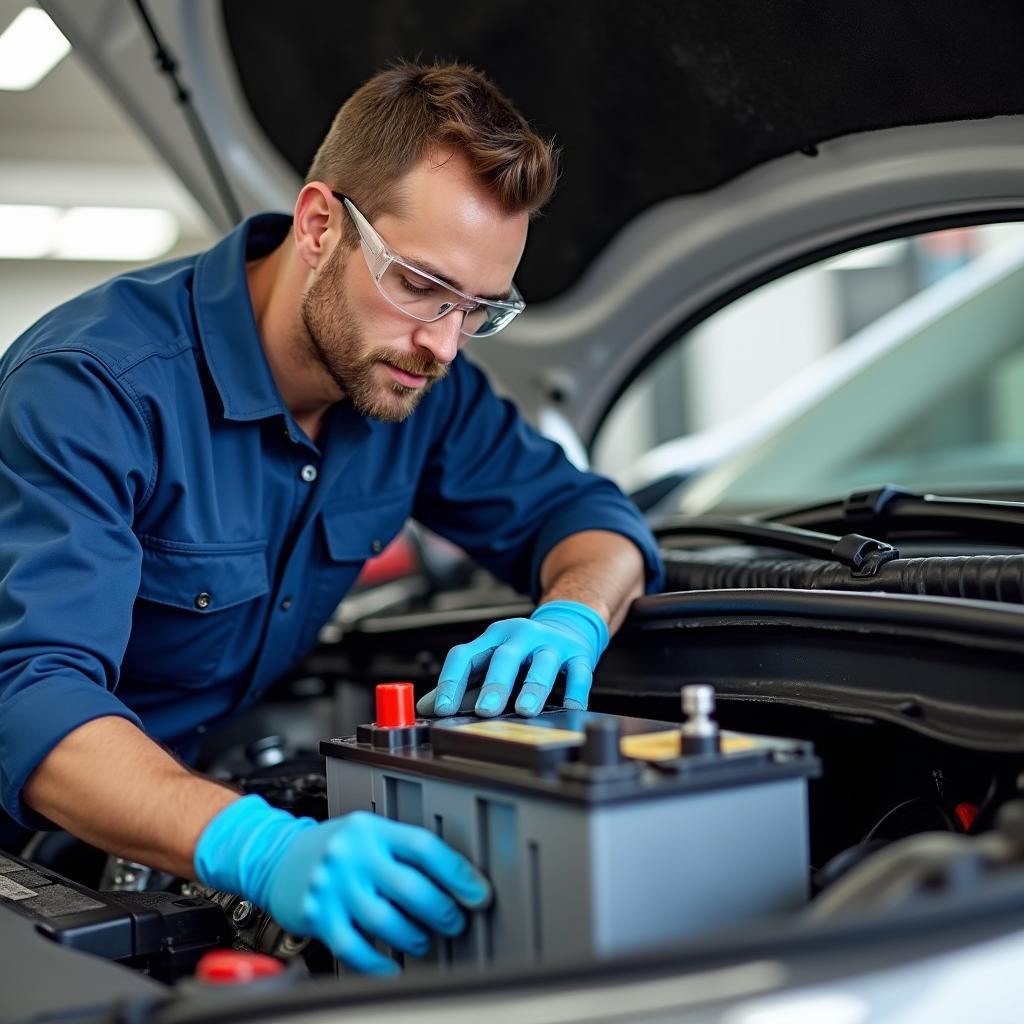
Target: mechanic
196	459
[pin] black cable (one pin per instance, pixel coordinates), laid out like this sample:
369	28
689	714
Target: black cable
986	809
168	65
934	805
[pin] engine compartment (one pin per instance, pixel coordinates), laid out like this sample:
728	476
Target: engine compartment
880	787
907	695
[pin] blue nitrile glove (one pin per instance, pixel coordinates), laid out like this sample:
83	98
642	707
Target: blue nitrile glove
336	879
558	635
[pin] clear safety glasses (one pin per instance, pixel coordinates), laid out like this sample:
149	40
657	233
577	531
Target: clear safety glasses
422	296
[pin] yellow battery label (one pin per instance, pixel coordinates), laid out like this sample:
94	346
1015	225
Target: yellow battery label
515	732
661	746
735	744
651	746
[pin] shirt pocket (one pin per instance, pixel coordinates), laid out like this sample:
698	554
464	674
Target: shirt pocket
349	535
193	606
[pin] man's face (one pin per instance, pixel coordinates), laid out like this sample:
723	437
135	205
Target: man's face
340	345
381	358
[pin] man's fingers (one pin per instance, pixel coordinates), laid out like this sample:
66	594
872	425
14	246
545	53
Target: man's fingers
578	680
501	677
345	942
455	671
424	850
380	919
410	889
425	705
539	681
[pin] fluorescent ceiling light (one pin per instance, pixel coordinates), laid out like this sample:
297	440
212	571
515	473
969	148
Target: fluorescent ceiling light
26	232
85	233
30	48
112	233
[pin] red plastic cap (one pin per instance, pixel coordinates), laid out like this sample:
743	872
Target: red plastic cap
234	967
965	815
395	706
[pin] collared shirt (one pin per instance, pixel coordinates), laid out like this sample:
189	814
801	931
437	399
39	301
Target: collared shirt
171	541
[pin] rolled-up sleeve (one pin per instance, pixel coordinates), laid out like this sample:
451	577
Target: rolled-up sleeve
75	462
497	488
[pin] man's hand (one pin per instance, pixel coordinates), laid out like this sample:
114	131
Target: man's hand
558	635
341	880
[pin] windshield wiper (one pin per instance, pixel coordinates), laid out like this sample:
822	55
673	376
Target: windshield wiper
893	511
863	556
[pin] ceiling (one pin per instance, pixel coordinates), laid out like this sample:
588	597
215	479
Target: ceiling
65	142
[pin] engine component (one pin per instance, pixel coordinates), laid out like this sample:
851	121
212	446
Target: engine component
163	933
255	931
980	577
302	794
924	865
599	835
121	875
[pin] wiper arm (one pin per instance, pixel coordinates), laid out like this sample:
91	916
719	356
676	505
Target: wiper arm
862	555
894	511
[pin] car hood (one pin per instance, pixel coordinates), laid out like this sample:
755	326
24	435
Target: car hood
648	101
703	143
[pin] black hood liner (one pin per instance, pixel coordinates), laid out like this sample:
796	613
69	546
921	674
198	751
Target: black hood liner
648	99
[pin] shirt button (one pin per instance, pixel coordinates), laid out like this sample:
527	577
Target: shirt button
376	547
308	473
286	604
203	600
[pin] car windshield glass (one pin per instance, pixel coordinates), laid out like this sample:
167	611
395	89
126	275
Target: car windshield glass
901	362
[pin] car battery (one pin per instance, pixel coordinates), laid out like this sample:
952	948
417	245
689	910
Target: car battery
601	834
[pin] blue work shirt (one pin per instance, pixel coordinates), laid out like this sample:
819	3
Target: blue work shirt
171	541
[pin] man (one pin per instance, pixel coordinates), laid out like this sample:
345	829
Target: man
196	459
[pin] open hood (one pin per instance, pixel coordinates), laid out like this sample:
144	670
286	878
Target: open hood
648	101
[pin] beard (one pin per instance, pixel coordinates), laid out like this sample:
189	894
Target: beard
337	344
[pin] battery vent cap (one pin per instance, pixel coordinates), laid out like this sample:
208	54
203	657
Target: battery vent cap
396	708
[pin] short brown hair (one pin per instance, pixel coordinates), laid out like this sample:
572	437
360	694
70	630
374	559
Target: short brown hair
390	122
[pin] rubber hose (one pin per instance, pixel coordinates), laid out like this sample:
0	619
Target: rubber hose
979	577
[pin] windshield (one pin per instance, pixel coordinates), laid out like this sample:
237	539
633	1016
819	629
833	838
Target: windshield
901	362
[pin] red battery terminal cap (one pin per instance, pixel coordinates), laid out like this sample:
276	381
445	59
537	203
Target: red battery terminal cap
396	708
233	967
965	815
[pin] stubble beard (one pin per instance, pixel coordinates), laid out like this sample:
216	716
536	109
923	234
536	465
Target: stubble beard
337	345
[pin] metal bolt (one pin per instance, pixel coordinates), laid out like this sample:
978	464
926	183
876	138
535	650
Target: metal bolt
241	914
698	700
699	733
290	945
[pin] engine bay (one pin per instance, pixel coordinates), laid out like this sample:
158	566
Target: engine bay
676	836
759	755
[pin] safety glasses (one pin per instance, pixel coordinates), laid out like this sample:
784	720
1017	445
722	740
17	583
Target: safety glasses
413	291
